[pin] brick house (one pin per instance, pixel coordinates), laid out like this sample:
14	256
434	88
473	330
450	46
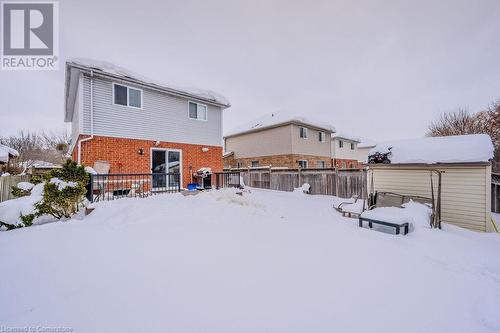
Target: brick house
138	125
279	142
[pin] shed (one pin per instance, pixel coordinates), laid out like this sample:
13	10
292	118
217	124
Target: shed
464	162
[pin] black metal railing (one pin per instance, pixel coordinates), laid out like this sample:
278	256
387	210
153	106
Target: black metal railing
115	186
227	179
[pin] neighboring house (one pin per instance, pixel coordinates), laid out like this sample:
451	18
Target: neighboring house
345	151
465	163
138	125
279	142
6	154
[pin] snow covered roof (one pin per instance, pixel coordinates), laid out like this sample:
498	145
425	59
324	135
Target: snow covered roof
345	136
432	150
6	153
366	143
109	69
276	120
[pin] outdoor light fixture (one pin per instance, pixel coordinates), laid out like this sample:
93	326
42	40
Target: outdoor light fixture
204	149
140	151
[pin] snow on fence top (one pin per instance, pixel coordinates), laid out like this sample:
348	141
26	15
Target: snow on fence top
5	152
274	120
112	69
445	149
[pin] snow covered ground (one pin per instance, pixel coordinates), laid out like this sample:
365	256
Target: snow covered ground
264	262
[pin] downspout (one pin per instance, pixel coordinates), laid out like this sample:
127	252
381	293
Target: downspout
91	118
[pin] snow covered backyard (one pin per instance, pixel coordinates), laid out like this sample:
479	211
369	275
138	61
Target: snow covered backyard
262	262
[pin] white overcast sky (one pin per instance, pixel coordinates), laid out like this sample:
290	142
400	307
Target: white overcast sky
375	69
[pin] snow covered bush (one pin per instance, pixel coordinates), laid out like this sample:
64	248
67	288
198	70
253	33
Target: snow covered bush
22	189
21	212
64	191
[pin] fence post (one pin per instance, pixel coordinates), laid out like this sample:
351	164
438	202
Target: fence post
300	176
90	195
336	182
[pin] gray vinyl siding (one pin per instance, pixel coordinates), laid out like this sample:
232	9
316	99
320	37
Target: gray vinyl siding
163	117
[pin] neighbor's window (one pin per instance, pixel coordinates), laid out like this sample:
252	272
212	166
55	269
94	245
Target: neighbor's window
127	96
321	164
341	144
321	137
255	164
303	164
303	132
352	146
197	111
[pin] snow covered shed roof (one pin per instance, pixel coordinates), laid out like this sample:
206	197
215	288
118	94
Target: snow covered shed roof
6	153
76	65
434	150
276	120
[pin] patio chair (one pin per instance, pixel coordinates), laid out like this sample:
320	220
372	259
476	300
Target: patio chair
338	203
101	168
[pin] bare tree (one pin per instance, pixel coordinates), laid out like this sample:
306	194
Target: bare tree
461	122
33	147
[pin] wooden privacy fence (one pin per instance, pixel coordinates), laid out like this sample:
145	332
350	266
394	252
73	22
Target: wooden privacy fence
6	183
339	182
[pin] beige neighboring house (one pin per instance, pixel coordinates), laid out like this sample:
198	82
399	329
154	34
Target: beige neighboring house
279	142
345	151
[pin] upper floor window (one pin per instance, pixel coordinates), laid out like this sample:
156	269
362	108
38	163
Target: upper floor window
341	144
303	164
255	164
127	96
197	111
321	137
321	164
303	132
352	146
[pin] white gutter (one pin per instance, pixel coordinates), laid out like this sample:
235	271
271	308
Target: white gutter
91	118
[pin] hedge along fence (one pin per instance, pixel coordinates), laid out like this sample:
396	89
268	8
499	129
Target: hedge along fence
6	183
339	182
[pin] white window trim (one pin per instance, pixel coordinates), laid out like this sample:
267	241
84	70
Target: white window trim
256	161
322	136
321	162
128	87
341	144
353	146
306	132
307	163
206	108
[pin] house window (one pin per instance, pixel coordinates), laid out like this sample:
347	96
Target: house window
341	144
197	111
127	96
321	164
303	164
255	164
352	146
321	137
303	132
238	165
